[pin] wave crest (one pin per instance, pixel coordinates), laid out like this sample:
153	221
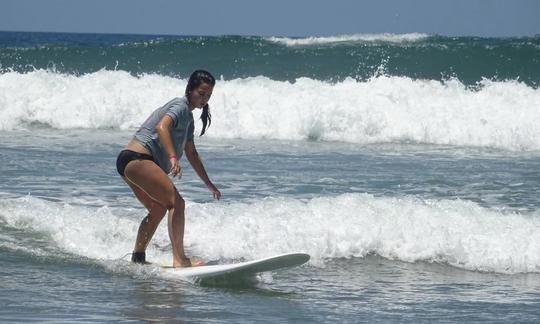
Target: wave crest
500	114
458	233
384	37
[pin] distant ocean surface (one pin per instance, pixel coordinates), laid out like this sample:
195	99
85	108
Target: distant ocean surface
407	166
329	59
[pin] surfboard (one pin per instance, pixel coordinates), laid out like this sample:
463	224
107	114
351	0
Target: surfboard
242	268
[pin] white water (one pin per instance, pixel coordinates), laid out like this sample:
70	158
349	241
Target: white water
384	37
458	233
380	110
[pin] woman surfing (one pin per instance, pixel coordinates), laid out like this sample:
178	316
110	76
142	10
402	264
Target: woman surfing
153	155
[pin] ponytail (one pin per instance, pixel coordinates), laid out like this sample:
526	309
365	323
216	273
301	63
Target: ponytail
206	118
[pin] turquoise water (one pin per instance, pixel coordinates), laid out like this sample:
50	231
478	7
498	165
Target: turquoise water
419	56
414	193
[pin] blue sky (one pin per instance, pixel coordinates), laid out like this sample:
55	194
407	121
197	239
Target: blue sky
275	17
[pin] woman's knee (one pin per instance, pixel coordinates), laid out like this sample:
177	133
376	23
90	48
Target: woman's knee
157	210
176	202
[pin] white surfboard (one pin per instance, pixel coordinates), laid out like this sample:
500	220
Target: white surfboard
242	268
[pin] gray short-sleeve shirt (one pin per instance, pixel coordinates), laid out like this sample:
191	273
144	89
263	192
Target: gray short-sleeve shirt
182	131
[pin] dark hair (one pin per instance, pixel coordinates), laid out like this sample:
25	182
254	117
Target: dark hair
197	78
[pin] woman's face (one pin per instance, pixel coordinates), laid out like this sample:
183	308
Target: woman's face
200	95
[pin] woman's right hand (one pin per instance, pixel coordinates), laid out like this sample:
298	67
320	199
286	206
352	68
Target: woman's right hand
176	168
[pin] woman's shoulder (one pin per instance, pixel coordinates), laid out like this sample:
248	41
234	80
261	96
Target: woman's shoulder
178	104
178	101
178	109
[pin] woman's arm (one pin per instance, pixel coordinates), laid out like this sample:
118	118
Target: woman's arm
163	129
193	157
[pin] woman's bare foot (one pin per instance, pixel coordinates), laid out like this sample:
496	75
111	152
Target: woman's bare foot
197	263
186	262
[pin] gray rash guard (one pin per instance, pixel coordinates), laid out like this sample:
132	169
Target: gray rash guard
181	132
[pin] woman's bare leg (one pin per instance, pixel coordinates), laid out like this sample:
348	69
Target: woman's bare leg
176	223
147	176
150	223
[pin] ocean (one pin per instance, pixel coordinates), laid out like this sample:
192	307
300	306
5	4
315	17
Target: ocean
407	166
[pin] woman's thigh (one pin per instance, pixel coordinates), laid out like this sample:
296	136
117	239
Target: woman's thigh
148	202
149	177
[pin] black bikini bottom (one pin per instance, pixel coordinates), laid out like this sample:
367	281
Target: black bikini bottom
127	156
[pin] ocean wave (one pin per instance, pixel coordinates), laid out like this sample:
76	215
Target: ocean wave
331	58
457	233
383	37
384	109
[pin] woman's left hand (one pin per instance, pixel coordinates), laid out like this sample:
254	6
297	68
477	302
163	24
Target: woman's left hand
176	168
215	191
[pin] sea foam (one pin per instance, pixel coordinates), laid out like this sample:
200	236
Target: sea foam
458	233
383	109
384	37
